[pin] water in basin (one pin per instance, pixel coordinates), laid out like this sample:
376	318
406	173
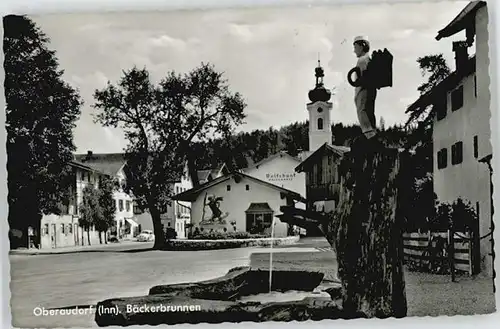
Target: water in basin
287	296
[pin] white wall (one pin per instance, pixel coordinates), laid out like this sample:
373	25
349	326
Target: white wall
238	200
178	213
65	239
284	166
319	137
469	180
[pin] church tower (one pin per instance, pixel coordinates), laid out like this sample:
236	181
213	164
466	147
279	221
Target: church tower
320	128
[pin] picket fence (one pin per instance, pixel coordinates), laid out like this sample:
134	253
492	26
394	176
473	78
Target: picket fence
416	243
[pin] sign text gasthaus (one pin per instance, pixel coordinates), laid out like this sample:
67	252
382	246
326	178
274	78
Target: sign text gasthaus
280	176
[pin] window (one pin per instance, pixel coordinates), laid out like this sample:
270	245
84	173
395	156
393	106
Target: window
45	229
442	158
320	123
320	110
457	153
257	223
476	148
168	224
475	86
247	187
70	229
228	187
441	107
120	205
177	190
178	209
127	205
457	98
62	228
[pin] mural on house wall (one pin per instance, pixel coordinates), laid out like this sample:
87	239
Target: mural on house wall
212	213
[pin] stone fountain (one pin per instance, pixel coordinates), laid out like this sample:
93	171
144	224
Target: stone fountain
364	233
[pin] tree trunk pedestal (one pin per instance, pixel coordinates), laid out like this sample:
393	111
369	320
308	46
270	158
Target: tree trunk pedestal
364	230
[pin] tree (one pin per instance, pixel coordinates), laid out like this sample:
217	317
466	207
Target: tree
90	211
382	123
40	115
437	69
108	207
161	123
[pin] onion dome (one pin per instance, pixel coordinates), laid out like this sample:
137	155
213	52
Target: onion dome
319	93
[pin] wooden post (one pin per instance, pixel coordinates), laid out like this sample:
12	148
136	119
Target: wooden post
451	251
365	232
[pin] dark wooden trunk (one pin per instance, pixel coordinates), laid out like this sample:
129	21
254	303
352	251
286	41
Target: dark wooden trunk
366	235
88	235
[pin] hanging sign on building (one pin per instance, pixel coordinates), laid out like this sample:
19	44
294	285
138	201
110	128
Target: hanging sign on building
279	177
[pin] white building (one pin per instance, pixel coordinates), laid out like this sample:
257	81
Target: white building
461	131
112	165
279	169
236	198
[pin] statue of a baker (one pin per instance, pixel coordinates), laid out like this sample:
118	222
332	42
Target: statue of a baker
372	73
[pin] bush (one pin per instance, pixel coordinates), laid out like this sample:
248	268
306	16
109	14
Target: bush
227	235
170	234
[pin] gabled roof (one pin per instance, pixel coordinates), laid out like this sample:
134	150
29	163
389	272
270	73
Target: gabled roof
204	175
449	83
192	194
463	20
325	148
280	154
219	170
106	163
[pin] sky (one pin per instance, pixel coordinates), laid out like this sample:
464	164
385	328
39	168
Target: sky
267	54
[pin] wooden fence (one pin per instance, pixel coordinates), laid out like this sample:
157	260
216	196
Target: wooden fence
415	245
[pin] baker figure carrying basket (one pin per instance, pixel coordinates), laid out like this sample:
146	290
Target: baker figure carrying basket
372	73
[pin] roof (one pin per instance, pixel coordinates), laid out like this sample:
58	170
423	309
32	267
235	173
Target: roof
450	82
217	170
192	194
259	207
280	154
79	165
332	149
106	163
204	175
463	20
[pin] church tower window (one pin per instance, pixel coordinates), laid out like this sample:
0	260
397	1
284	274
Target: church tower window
320	123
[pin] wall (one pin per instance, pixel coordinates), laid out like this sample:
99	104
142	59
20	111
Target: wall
65	239
319	137
238	200
470	179
281	165
483	117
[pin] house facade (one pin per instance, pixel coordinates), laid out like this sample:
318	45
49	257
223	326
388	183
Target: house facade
321	170
88	170
461	128
238	202
279	169
64	230
178	214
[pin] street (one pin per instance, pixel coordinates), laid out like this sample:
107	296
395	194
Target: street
80	279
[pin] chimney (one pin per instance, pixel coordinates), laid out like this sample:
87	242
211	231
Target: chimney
89	155
461	55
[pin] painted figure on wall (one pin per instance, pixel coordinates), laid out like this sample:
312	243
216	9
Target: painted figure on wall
213	203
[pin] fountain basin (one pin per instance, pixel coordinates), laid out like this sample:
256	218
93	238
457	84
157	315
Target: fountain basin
241	295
